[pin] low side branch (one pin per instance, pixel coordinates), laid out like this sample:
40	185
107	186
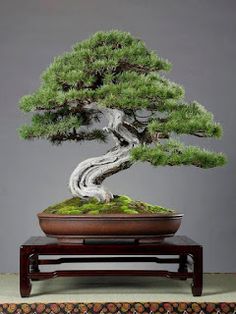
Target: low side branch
174	153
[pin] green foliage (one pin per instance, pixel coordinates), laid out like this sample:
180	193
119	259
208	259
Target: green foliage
119	205
77	74
47	125
174	153
115	70
187	119
89	73
133	90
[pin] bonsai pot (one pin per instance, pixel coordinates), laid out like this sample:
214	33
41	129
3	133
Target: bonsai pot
77	228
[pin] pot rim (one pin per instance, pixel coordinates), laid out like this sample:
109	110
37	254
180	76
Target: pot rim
111	216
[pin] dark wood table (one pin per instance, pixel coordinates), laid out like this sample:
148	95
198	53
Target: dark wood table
179	248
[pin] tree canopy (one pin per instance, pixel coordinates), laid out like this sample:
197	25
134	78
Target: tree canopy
117	71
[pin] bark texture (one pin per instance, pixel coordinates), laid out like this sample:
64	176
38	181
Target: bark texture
86	180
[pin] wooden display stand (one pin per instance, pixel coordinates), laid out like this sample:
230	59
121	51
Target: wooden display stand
180	246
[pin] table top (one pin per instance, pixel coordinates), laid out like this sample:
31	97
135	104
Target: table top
179	240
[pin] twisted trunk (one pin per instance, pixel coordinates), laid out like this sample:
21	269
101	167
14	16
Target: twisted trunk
86	179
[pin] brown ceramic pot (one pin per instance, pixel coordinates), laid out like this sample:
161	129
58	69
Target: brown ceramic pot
76	228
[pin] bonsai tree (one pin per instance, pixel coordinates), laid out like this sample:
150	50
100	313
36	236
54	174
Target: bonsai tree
115	76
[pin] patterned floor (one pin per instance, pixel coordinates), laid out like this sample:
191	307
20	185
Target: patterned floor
120	308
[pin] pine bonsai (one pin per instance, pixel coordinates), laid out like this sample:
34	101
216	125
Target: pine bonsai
113	74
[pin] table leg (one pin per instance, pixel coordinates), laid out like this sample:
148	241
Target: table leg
183	265
25	284
197	272
34	265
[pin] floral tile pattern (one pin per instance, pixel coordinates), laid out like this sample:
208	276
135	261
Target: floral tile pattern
119	308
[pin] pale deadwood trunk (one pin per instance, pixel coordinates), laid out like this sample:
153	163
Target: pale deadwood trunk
86	179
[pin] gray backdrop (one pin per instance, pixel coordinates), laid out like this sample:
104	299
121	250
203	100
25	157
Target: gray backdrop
197	36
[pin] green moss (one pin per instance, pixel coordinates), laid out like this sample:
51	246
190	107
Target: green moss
130	211
119	205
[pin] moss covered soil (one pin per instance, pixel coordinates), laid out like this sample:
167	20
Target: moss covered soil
119	205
